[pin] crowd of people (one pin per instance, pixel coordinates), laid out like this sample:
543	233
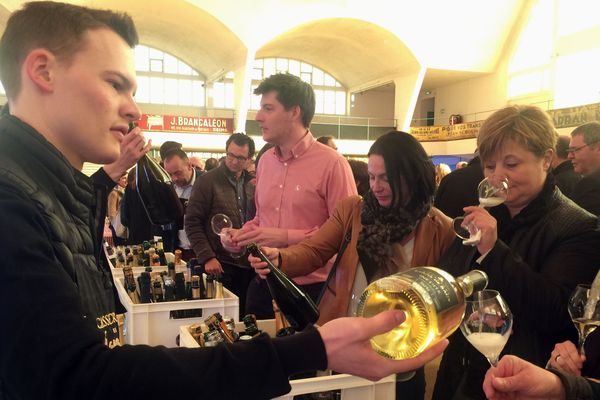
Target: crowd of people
331	225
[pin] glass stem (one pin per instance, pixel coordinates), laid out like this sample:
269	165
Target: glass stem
582	344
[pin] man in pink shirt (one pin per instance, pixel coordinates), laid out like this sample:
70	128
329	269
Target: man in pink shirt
298	182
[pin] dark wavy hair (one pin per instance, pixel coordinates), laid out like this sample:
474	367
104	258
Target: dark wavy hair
405	159
291	91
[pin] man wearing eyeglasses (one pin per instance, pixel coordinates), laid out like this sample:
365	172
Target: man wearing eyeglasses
223	190
584	152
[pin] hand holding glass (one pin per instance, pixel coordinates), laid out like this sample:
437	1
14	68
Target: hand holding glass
487	324
584	312
492	192
221	224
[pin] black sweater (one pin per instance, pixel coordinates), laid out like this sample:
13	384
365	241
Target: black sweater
53	293
540	256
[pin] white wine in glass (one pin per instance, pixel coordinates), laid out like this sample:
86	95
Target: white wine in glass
584	312
492	192
487	324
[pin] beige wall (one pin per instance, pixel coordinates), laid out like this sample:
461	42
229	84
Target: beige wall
374	103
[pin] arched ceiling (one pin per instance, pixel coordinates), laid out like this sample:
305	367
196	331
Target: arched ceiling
356	51
355	41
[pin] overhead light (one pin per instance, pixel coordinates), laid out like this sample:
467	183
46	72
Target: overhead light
428	92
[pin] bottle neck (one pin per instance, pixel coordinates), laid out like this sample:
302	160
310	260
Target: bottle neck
473	281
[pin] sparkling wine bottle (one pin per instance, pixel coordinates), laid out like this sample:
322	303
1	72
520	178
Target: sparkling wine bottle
297	307
156	191
433	301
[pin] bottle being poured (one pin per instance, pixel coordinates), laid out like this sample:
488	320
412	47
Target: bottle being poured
156	191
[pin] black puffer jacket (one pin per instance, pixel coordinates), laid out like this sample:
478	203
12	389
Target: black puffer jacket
57	309
541	255
67	200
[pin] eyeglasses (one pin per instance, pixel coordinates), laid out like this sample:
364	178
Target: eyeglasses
232	156
576	149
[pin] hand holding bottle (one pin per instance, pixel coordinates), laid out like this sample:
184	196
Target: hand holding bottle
566	357
348	348
260	267
133	147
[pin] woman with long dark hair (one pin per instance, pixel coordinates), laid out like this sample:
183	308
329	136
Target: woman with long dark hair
393	228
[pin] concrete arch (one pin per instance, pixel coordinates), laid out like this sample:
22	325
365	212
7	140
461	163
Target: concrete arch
185	31
356	51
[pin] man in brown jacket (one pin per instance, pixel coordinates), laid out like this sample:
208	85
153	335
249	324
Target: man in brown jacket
223	190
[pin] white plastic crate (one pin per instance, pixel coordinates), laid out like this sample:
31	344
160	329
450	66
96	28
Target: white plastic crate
352	387
151	323
118	272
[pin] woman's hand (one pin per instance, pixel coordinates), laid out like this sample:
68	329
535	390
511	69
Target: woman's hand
260	266
481	219
565	357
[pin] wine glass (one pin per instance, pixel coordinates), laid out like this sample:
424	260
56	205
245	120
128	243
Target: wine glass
221	224
492	192
584	312
487	324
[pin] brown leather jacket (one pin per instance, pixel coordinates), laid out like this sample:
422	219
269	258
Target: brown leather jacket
432	237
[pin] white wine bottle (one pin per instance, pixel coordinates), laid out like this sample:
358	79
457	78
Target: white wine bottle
433	301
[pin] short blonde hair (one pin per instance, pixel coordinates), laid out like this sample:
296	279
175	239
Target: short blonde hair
528	126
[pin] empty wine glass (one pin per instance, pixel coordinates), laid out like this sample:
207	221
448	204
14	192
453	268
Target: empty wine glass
584	312
221	224
487	324
492	192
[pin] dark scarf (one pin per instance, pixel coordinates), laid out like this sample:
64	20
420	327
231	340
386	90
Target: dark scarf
381	228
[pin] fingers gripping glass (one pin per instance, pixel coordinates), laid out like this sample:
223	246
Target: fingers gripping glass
221	224
492	192
584	311
487	324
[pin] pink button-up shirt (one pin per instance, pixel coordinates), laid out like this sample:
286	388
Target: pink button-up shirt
300	192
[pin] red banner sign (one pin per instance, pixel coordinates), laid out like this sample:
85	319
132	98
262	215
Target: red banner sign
178	123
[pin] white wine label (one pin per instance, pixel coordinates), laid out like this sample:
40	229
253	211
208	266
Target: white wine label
442	293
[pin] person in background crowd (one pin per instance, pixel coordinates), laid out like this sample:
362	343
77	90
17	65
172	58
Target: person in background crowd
299	182
441	170
114	202
327	141
393	228
460	164
183	175
211	163
584	153
361	176
197	164
133	214
562	168
459	189
535	247
69	75
224	190
515	378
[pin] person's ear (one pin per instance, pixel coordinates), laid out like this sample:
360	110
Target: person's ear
548	159
296	112
39	66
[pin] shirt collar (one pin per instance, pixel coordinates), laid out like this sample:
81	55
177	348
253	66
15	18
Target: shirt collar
231	175
299	148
